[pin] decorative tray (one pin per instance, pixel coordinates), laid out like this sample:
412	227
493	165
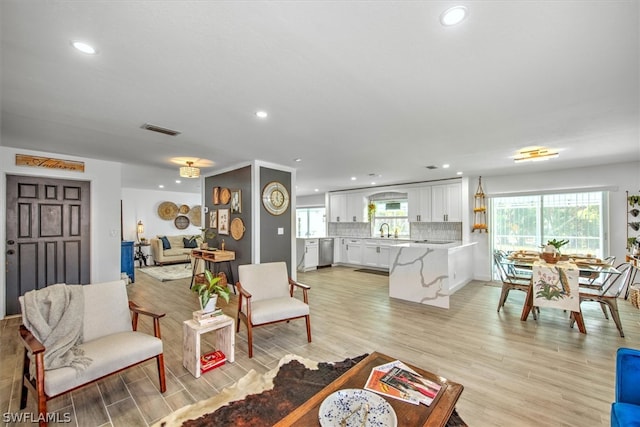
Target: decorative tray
355	407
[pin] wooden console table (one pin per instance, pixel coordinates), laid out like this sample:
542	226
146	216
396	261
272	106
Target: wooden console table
210	256
437	414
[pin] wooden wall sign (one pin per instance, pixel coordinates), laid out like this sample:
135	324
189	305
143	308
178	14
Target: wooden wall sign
49	163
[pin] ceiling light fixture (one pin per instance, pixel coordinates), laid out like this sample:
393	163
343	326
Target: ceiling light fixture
353	178
445	166
189	171
84	47
261	114
453	16
458	173
534	154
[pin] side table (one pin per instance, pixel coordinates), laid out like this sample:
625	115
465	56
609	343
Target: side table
191	331
140	256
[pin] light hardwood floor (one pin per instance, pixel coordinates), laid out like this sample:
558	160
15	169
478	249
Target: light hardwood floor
533	373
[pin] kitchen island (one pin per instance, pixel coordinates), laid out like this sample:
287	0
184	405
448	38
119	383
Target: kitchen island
429	273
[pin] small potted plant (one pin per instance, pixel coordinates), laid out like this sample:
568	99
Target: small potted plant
207	234
209	291
551	251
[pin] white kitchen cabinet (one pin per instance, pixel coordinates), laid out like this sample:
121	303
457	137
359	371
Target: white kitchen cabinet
337	208
353	251
419	199
370	253
356	207
337	250
376	253
310	254
383	256
446	202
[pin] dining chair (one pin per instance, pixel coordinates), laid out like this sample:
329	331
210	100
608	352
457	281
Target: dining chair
607	295
589	280
510	280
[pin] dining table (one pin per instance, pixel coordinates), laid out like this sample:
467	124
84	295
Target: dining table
584	266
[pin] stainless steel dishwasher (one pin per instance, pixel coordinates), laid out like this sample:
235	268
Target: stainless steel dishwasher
325	255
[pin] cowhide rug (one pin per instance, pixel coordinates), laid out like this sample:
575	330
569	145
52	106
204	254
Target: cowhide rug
262	400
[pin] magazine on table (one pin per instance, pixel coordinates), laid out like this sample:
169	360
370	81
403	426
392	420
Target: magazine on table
397	380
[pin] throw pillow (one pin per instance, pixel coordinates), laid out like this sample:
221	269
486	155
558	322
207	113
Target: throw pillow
190	243
165	242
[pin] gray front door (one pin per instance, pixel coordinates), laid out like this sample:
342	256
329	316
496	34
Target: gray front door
47	234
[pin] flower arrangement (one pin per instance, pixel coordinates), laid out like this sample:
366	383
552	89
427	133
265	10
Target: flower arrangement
554	245
371	211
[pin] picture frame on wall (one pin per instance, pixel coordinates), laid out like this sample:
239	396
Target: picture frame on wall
223	221
213	219
216	196
236	201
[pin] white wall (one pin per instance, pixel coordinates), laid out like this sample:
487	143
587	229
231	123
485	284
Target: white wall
142	205
313	200
616	178
105	209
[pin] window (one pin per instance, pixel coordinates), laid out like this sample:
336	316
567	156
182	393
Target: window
527	222
311	222
392	212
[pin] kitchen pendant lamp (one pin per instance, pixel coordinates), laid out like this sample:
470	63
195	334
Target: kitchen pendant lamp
189	171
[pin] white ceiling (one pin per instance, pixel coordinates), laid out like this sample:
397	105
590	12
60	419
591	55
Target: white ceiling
352	87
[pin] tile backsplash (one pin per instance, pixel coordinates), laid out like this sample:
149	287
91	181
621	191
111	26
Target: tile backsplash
436	230
419	230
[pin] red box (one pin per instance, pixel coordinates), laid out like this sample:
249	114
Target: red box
212	360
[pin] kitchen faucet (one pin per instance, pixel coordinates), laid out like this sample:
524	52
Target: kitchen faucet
381	227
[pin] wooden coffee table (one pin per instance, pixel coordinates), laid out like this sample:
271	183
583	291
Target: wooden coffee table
437	414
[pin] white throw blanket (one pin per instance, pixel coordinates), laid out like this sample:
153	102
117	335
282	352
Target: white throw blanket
54	315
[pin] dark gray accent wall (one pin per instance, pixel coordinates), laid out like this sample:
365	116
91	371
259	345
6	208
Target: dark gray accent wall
274	246
238	179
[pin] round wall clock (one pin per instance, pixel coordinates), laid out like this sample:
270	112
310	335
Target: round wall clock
275	198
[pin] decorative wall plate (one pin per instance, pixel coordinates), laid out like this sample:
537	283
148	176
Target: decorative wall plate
195	215
225	196
275	198
181	222
184	209
167	210
237	228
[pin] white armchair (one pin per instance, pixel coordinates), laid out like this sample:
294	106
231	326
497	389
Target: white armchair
266	296
109	339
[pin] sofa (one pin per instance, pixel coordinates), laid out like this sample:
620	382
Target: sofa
625	411
109	338
176	251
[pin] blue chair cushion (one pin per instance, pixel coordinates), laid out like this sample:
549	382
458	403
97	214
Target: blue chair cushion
625	415
165	242
190	243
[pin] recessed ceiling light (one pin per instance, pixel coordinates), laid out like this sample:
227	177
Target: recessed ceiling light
373	183
453	15
84	47
445	166
458	173
261	114
316	190
178	181
160	186
297	160
353	178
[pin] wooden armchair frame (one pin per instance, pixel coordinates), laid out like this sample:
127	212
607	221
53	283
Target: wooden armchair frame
35	347
246	318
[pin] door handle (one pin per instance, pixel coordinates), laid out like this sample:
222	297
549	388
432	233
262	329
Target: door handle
11	242
11	252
